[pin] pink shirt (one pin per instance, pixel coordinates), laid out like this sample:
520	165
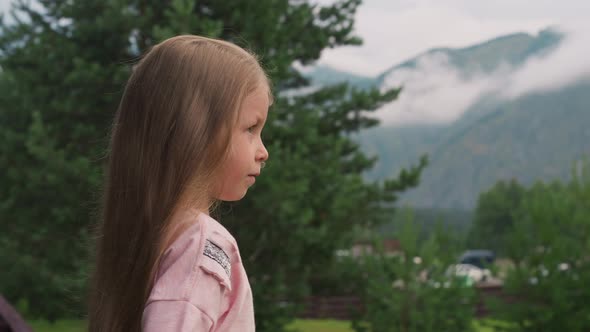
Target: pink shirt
201	284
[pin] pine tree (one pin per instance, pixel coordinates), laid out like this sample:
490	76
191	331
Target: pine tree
63	71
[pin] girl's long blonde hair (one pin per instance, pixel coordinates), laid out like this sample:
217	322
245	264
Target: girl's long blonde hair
172	127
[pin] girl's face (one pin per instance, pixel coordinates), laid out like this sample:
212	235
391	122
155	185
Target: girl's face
246	152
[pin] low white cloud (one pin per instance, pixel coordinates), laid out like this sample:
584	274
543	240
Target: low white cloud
433	92
395	31
567	64
436	92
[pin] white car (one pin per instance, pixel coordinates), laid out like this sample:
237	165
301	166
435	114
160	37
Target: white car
473	273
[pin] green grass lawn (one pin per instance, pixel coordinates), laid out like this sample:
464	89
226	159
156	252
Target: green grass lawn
303	325
321	325
326	325
60	325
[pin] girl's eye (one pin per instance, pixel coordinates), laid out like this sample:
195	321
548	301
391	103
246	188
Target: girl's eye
251	128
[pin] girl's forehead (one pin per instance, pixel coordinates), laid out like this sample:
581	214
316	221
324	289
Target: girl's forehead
257	101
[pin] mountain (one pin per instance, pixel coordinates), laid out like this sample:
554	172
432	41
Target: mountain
514	50
535	134
324	75
535	137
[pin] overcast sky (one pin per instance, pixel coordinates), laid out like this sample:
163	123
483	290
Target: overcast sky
395	30
434	92
4	4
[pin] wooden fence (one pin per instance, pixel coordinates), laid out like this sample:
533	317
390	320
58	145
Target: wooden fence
345	307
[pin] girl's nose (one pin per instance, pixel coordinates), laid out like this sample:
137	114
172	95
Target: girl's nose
262	153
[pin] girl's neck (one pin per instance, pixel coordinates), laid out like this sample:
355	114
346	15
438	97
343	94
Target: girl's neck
179	223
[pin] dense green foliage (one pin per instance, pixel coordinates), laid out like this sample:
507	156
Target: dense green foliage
411	290
63	70
457	222
543	229
549	246
494	216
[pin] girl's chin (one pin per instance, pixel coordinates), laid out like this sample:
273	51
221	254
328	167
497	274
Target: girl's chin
232	197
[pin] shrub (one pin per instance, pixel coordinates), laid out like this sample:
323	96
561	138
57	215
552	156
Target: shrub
550	247
411	291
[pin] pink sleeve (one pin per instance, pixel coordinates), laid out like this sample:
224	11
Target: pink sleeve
174	316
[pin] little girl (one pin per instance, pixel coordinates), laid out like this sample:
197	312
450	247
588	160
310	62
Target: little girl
186	135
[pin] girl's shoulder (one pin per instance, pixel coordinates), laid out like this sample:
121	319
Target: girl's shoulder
201	266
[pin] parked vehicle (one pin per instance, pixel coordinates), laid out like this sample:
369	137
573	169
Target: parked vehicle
471	274
480	258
